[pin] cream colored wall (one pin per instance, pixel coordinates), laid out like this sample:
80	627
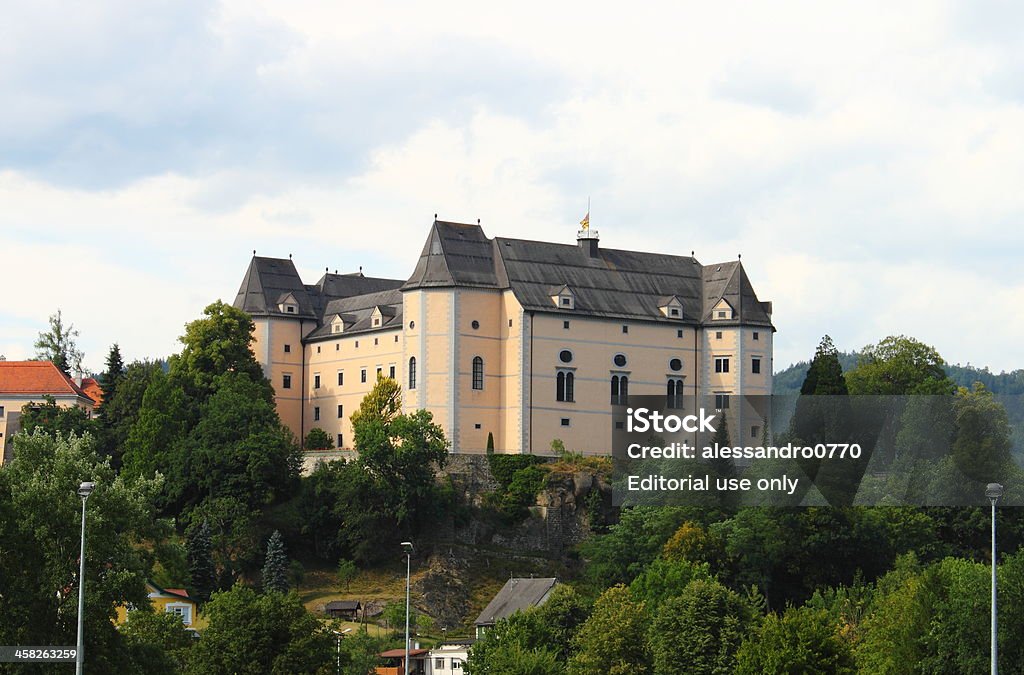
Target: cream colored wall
648	348
515	362
270	336
383	349
12	405
482	407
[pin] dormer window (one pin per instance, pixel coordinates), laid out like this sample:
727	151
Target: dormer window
337	325
287	304
563	297
290	309
671	307
722	310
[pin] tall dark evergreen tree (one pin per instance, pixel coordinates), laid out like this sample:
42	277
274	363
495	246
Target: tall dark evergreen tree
200	562
825	376
275	568
113	374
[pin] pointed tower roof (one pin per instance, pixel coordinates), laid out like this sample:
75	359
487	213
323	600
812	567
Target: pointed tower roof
455	254
266	282
728	281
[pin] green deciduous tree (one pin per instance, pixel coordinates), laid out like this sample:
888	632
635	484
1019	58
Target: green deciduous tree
899	365
347	571
40	516
613	640
158	641
275	565
637	539
58	344
800	641
251	633
699	630
318	439
55	419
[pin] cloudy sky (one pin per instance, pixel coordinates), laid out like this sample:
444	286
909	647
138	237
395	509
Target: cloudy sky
866	160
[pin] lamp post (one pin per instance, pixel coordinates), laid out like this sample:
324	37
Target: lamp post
338	635
84	490
994	491
408	547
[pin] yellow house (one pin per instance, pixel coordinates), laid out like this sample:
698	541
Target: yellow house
516	340
171	600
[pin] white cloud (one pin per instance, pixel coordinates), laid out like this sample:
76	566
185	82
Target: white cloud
863	158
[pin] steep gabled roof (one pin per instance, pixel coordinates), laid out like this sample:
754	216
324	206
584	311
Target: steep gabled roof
728	281
358	310
516	595
266	282
455	254
37	378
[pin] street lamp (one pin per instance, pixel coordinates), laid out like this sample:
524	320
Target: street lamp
408	547
340	634
84	490
994	491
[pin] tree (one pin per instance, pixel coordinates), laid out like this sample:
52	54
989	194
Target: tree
347	571
201	570
55	419
800	641
700	630
614	639
825	375
899	365
58	345
113	374
665	579
637	539
159	641
275	566
40	516
253	633
318	439
216	344
401	452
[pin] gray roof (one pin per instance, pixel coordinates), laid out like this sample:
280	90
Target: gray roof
516	595
343	605
455	254
267	282
357	313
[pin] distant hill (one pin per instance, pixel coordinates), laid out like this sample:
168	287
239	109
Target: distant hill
788	380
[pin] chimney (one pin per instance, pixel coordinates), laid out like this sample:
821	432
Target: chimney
78	378
587	240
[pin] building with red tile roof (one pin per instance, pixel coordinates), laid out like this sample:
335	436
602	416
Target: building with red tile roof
24	382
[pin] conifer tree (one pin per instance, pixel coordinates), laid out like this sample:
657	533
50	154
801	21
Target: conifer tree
58	345
200	562
825	375
113	374
275	566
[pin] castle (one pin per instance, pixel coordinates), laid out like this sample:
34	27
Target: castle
523	341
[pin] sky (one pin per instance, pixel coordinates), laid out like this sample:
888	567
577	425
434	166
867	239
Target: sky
865	158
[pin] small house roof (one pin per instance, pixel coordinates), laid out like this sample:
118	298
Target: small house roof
514	596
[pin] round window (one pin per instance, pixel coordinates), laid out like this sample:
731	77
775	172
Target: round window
475	325
565	356
412	324
675	364
619	360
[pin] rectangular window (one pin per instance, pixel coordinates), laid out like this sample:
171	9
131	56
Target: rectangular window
287	349
286	382
337	346
396	338
341	411
357	344
391	372
757	336
565	421
721	364
565	325
755	365
679	333
625	329
721	401
316	381
477	426
341	378
755	431
375	342
339	441
316	413
362	375
438	664
379	371
718	335
566	302
721	315
318	349
1	411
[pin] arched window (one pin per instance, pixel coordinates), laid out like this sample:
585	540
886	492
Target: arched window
478	372
565	384
620	389
412	372
674	398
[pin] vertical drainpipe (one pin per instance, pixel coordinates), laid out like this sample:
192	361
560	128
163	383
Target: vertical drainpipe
302	395
530	437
